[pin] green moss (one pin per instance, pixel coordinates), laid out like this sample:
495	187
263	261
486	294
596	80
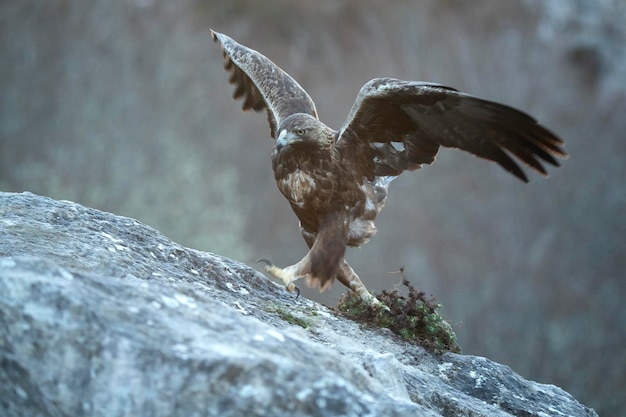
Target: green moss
289	317
414	318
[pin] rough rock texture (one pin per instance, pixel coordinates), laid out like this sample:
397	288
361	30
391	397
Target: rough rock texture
101	315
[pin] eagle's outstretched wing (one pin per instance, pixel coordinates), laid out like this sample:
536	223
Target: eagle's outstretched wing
401	124
262	84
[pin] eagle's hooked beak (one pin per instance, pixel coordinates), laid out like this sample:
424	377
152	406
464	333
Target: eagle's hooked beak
286	138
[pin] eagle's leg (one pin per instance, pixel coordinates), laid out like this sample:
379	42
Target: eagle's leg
287	275
350	279
324	259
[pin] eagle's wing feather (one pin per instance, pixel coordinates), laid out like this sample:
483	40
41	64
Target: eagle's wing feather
262	84
403	124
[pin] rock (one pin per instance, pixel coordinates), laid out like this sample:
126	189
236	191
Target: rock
101	315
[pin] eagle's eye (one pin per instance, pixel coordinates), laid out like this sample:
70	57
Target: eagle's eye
300	132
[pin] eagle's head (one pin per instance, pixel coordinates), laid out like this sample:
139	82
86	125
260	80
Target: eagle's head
303	130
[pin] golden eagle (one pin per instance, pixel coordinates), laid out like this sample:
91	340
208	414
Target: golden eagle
336	180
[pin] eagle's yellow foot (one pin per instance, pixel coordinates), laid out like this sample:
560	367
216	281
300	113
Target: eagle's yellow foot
285	275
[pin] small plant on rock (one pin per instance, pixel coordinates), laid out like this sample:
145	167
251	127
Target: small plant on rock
414	318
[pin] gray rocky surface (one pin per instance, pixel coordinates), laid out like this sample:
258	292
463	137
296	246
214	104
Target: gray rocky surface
101	315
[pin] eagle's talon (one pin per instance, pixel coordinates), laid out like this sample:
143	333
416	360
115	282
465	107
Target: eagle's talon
291	287
285	276
267	262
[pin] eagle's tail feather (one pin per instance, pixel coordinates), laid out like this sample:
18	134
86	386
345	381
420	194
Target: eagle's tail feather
326	254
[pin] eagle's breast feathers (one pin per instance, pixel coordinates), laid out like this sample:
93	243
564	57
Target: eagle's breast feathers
297	187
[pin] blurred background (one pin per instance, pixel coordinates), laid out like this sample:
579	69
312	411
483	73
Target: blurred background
124	106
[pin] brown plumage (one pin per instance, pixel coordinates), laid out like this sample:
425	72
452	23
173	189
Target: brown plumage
336	181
